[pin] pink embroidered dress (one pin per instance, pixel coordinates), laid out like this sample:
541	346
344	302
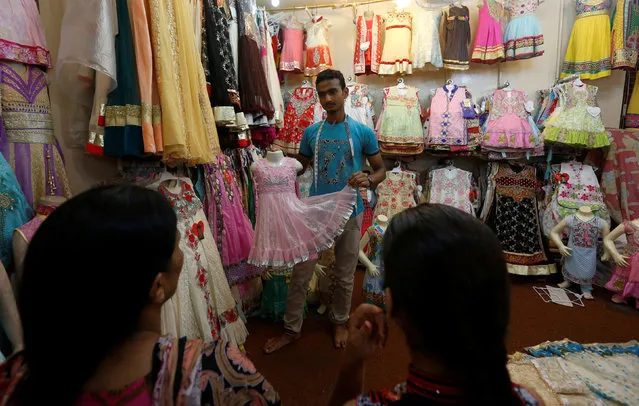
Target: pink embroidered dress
489	42
508	126
289	230
292	56
452	187
21	34
447	124
625	280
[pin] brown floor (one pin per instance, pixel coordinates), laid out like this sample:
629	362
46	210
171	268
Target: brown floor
304	372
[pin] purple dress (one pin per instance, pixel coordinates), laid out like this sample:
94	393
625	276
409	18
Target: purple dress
26	136
229	222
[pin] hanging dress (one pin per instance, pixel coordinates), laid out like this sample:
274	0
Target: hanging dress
21	35
188	126
292	56
300	114
230	225
27	140
515	219
508	126
203	302
580	267
625	35
625	280
395	194
578	123
588	52
358	105
447	124
399	128
289	230
426	49
318	55
15	211
523	38
270	69
489	42
254	92
396	56
631	120
456	38
373	286
368	45
452	187
123	114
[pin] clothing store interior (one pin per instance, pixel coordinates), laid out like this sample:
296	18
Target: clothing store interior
522	115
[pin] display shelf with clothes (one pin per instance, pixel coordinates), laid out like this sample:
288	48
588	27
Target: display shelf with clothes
523	38
489	42
396	54
578	122
456	38
399	128
203	306
303	110
318	54
588	52
511	209
27	139
368	43
396	193
625	36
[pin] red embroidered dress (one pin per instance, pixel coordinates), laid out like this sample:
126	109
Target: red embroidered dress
368	45
300	114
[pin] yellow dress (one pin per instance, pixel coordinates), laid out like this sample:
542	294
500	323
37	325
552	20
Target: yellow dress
632	114
188	126
588	52
625	33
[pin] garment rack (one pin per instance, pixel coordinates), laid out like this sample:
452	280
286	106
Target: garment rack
328	5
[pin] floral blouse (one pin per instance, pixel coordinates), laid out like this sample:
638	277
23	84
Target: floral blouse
185	372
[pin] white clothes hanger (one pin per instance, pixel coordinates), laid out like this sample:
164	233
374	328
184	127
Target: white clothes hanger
398	167
401	84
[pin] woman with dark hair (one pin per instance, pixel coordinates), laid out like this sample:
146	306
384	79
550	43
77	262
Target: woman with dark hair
447	288
96	275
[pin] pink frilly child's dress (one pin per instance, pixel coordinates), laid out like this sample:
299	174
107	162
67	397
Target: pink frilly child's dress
289	230
625	281
508	125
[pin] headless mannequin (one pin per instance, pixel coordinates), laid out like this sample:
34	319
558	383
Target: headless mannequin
20	242
612	252
584	213
371	268
9	316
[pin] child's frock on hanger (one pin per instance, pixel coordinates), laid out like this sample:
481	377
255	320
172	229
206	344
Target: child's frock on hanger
289	230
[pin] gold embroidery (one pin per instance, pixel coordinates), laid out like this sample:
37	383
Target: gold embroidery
157	115
592	14
35	127
119	116
147	113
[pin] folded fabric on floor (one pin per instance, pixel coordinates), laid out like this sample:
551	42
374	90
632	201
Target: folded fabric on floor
581	373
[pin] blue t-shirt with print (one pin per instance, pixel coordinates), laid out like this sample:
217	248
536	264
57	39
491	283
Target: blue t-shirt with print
335	165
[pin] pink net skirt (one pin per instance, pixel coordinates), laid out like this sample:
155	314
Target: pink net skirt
289	231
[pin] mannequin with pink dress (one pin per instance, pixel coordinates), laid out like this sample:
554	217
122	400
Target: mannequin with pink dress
625	281
288	230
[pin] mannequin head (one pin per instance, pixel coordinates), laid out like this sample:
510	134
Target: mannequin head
453	308
332	90
97	271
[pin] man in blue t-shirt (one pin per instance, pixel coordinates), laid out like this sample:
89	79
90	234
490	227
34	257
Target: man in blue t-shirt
338	147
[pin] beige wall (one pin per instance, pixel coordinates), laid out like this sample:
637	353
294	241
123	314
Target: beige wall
556	17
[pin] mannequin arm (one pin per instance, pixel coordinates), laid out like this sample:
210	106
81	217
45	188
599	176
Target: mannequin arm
363	258
609	245
554	236
9	316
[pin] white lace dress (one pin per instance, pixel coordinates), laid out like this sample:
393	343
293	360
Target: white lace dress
452	187
203	306
426	48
